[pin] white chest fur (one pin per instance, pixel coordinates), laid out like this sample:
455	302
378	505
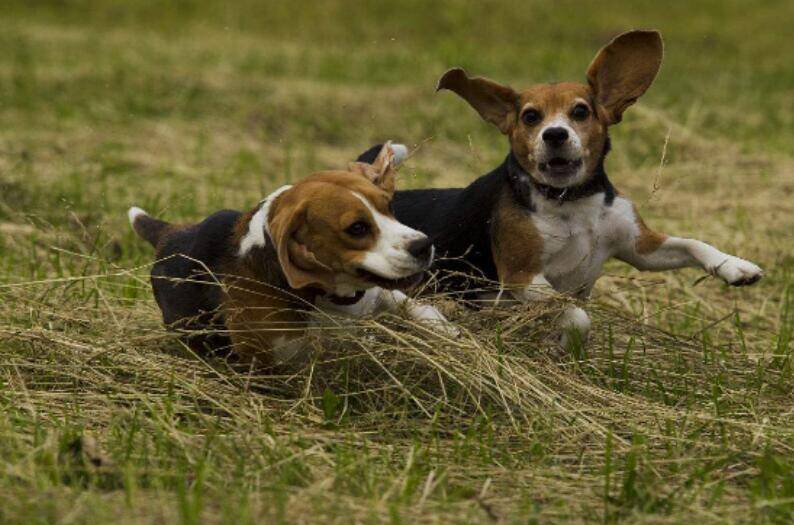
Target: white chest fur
578	237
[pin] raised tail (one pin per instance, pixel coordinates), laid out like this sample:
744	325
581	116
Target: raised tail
369	156
147	227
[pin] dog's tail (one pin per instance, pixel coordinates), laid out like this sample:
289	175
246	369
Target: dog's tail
147	227
400	153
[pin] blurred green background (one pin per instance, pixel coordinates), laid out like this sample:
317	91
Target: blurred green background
185	107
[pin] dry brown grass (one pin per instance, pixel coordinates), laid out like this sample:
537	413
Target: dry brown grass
678	409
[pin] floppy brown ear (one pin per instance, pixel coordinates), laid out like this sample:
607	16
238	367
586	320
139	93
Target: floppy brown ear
381	172
300	266
494	102
624	69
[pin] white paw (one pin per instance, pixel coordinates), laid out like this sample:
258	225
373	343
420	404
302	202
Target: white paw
435	320
293	351
538	290
575	325
496	299
738	272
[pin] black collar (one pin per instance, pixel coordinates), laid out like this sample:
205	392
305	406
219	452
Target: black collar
521	181
562	195
346	301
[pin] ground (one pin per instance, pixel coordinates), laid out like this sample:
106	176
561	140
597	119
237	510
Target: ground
680	408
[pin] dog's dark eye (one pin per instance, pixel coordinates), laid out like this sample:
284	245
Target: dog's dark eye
531	117
580	112
358	229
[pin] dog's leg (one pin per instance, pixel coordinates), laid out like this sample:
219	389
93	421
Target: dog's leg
263	324
574	321
652	251
393	300
538	289
575	324
293	351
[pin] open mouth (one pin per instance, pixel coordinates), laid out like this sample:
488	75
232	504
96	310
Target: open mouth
560	166
403	283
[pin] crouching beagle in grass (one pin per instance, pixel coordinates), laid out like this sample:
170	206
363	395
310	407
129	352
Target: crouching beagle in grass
548	217
249	281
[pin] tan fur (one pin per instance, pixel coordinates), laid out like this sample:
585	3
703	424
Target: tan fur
258	315
381	171
328	243
620	72
562	244
495	103
624	69
516	244
552	99
306	224
241	227
648	241
257	311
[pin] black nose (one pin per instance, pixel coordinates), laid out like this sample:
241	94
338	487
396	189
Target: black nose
421	248
555	136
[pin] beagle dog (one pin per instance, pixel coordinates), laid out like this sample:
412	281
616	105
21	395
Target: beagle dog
548	217
248	281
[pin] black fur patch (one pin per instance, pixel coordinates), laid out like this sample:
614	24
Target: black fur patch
184	278
371	154
459	222
459	219
192	262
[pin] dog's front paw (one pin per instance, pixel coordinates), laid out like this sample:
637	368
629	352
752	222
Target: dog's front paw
738	272
434	320
575	325
446	329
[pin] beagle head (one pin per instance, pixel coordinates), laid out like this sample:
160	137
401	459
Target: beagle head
335	230
558	131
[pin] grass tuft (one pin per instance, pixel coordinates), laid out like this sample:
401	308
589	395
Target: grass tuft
678	409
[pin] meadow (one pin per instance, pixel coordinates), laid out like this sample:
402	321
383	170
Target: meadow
679	409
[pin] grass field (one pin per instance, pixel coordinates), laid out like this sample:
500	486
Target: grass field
680	410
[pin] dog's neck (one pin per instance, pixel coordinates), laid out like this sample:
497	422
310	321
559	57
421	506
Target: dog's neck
344	301
522	183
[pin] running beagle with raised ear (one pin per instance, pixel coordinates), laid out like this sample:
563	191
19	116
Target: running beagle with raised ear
248	280
548	217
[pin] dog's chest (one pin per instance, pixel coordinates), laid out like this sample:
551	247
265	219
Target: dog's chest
577	239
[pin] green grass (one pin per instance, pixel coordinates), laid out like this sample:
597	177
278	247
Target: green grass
678	410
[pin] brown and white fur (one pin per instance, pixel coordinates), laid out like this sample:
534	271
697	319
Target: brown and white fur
328	242
550	216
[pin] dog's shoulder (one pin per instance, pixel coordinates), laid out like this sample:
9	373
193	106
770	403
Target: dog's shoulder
215	233
425	208
437	209
206	240
183	276
459	222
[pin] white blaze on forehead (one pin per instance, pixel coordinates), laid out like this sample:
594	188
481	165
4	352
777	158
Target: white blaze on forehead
572	149
390	257
258	226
